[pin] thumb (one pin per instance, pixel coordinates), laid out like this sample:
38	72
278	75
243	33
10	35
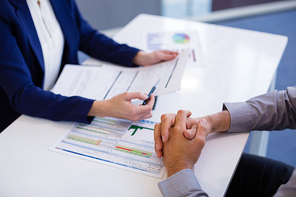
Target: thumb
201	130
190	133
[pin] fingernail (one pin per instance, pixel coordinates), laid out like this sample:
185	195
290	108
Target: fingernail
157	146
145	96
163	138
189	134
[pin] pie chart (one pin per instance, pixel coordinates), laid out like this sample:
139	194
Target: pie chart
181	38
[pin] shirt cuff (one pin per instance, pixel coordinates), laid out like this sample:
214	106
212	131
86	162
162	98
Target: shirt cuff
183	183
241	116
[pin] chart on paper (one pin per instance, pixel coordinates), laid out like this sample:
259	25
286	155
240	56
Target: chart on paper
176	41
115	142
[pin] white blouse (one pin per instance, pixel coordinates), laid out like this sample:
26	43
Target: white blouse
51	39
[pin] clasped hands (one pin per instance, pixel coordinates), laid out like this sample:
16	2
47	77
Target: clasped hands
180	140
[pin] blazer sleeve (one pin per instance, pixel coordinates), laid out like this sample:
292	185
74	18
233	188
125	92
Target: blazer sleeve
17	83
275	110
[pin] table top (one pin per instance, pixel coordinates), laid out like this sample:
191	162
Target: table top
238	64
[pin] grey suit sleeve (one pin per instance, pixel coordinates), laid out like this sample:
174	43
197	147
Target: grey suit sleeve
275	110
183	183
272	111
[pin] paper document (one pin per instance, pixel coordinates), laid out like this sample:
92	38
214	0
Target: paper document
115	142
106	81
176	41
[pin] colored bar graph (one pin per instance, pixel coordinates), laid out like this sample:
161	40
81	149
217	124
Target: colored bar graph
133	151
84	139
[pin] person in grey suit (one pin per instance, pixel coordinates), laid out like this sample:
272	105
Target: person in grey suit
254	176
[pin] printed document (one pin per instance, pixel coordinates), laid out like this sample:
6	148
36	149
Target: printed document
106	81
120	143
177	41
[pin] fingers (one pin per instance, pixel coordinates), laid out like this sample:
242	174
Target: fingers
161	132
144	116
122	107
167	121
202	127
156	57
168	52
134	95
140	112
148	107
151	100
181	118
167	55
142	109
199	129
191	122
201	133
128	96
157	140
181	123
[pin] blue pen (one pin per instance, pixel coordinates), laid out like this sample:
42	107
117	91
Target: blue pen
151	91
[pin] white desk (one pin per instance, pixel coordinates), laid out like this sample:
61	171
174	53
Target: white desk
239	64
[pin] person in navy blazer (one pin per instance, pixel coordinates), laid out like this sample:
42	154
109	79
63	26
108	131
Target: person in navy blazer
22	67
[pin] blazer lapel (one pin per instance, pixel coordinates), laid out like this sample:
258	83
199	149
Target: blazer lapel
23	13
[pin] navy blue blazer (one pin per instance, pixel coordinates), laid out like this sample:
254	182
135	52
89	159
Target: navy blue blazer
22	65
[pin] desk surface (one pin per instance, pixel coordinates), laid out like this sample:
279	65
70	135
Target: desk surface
238	64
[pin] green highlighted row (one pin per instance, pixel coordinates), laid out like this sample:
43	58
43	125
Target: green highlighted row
82	139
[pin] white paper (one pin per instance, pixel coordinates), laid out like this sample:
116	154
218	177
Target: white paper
106	81
119	143
176	41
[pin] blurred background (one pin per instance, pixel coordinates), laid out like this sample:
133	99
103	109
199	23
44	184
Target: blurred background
271	16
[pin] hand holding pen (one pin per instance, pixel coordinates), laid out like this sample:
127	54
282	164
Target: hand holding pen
151	91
